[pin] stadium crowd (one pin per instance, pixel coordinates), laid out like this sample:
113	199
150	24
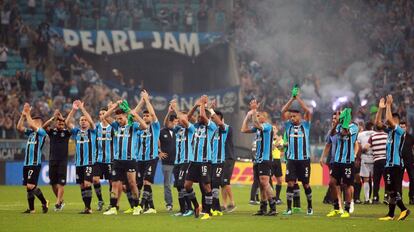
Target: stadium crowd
389	27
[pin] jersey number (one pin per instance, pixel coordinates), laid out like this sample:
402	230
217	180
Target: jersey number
29	174
204	169
88	170
347	171
219	170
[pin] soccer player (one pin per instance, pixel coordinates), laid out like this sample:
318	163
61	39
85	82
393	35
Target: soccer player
58	159
276	163
200	169
105	155
327	158
367	160
394	162
408	157
342	170
184	133
33	157
298	151
226	191
148	152
128	128
85	140
218	158
264	137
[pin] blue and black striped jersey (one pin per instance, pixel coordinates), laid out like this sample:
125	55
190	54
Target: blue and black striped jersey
345	144
219	144
148	148
395	143
34	145
263	139
298	140
183	142
106	141
127	141
85	146
202	141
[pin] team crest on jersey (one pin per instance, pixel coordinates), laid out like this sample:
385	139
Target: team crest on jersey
201	132
62	134
146	133
54	132
165	136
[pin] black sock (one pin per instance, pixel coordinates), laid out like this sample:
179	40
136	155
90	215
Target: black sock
113	201
87	197
400	203
216	199
336	204
391	209
145	196
272	204
357	190
130	199
263	206
30	198
296	196
181	199
38	193
278	190
150	200
289	197
209	202
347	206
308	192
203	199
192	197
98	191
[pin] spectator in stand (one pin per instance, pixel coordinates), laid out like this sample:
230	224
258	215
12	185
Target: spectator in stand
188	19
31	6
40	76
175	18
4	51
5	23
202	17
24	43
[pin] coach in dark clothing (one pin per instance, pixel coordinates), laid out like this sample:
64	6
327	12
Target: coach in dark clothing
167	141
58	159
408	159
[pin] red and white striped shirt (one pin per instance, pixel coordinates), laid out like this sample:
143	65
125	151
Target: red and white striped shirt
378	142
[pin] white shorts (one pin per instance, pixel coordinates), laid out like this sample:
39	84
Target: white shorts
367	169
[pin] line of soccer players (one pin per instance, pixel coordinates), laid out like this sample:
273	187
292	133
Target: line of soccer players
123	147
125	150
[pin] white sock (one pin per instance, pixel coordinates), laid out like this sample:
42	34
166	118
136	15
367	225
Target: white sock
366	190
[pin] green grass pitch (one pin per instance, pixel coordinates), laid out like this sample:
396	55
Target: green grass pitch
13	202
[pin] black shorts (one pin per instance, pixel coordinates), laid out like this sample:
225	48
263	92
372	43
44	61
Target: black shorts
146	170
393	178
276	168
120	168
199	172
103	170
31	174
217	171
57	172
263	169
84	173
228	171
343	173
180	172
298	170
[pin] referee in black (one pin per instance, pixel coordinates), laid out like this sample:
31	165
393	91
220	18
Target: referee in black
58	159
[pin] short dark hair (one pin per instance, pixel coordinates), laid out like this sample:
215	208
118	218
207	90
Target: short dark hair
396	115
369	126
37	117
403	122
219	114
172	117
145	112
119	111
294	111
